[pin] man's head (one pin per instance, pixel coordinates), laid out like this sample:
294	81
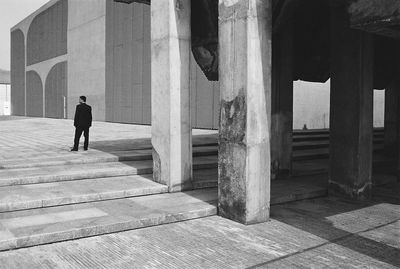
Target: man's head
82	99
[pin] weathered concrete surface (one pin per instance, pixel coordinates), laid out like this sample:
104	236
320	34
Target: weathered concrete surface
351	109
245	117
376	16
282	103
53	224
170	93
321	233
86	55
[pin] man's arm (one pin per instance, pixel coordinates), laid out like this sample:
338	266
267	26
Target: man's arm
90	116
76	116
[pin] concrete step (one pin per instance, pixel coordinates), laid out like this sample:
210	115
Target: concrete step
31	227
53	224
318	137
21	197
326	131
311	144
22	176
92	156
320	153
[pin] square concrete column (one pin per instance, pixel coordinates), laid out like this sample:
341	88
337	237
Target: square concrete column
245	115
282	102
391	120
170	100
351	114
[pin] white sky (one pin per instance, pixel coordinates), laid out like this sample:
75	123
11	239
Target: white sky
12	12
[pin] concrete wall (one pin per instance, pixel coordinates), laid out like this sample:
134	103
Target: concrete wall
311	105
4	99
128	90
18	73
47	34
86	55
44	44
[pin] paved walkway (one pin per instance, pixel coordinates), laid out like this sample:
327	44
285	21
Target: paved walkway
319	233
21	137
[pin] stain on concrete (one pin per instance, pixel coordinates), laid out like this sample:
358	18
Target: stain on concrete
232	158
156	166
353	192
233	119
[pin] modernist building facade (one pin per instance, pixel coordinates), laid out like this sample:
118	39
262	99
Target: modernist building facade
254	48
99	48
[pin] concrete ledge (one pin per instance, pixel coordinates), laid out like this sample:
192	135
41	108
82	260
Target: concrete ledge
49	225
10	177
92	156
24	197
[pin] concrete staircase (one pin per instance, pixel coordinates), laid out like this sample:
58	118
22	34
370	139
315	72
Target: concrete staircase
62	196
71	195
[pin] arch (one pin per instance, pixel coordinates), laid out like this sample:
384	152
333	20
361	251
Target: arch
18	73
47	34
56	91
34	94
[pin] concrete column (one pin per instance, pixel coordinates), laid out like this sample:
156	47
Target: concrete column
351	114
170	99
245	115
391	121
282	103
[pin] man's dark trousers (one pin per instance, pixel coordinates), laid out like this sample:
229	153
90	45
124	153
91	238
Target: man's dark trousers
78	134
82	123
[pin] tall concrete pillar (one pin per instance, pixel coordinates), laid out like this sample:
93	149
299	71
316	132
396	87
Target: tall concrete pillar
170	100
391	121
282	103
351	115
245	117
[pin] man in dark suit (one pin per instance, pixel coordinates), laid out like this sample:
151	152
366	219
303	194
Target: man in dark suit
82	123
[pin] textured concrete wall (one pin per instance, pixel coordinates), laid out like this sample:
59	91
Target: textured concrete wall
86	55
47	34
56	91
128	92
18	73
34	94
128	76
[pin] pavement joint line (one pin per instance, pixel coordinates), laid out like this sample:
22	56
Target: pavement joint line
329	242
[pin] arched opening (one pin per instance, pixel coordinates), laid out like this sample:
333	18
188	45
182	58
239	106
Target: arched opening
56	94
34	95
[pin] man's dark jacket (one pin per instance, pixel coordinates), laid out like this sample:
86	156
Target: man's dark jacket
83	116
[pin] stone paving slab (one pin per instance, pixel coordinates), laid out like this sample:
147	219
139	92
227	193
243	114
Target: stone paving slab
53	224
73	192
319	233
34	175
282	191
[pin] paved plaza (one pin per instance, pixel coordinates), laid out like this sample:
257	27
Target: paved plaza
181	229
319	233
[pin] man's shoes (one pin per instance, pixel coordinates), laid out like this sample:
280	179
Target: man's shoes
74	149
85	149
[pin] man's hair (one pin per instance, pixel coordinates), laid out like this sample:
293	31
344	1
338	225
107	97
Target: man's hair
83	98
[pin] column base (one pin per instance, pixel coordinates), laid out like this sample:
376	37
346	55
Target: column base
351	192
283	174
187	186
